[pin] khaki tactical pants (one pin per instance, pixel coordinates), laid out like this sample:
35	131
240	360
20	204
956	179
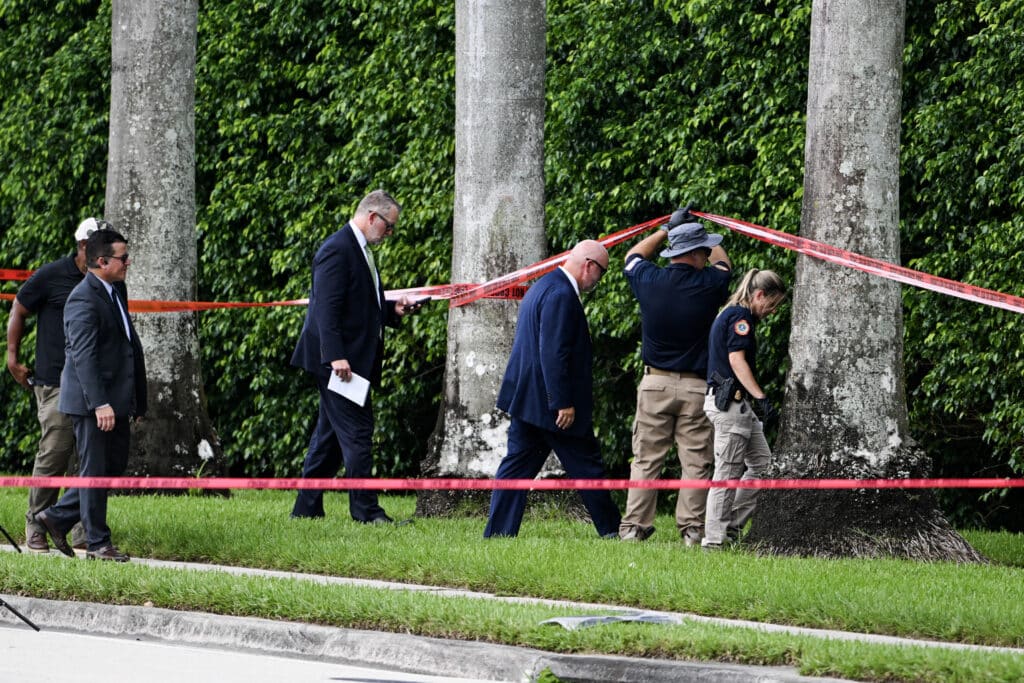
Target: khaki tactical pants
56	458
669	409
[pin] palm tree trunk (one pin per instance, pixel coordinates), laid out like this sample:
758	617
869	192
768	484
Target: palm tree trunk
845	411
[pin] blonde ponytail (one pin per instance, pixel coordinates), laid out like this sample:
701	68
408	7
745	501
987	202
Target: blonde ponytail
765	280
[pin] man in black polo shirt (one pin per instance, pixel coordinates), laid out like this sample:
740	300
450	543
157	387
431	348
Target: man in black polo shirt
43	295
678	304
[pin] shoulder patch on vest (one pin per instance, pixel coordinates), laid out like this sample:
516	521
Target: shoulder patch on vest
742	328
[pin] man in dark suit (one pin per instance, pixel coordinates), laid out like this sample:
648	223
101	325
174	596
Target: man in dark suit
344	334
43	296
103	386
548	391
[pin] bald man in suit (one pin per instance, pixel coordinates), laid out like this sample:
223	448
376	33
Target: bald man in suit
548	391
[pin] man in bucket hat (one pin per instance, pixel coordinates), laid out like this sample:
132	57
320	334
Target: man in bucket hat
678	304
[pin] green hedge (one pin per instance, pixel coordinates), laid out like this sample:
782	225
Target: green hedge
304	106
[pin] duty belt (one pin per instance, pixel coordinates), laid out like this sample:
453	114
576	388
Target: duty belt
737	395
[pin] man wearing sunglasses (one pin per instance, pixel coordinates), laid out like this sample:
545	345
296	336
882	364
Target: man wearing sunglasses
548	391
103	387
343	336
43	296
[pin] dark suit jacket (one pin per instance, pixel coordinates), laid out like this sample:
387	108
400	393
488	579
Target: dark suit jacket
101	364
550	364
343	319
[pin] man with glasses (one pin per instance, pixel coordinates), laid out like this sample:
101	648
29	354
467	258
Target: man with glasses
103	388
548	392
678	304
44	295
343	336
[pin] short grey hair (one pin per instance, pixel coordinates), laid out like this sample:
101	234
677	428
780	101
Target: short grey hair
378	202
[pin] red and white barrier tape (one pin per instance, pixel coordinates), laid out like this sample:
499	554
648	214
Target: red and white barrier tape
433	291
12	274
489	484
518	277
891	271
509	286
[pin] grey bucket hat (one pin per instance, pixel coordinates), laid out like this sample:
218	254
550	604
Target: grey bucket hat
687	237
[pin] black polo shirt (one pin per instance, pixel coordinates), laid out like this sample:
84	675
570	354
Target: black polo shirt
44	295
733	330
678	303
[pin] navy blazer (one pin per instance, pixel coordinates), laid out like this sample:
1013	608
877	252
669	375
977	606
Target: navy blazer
344	319
550	364
101	366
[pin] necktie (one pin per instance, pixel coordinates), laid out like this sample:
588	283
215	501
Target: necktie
373	271
120	309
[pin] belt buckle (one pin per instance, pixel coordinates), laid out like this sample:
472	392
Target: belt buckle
738	396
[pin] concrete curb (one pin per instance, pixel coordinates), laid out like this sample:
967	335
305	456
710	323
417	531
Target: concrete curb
767	627
827	634
415	654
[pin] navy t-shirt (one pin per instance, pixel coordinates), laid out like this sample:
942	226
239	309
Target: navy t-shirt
678	303
733	330
44	295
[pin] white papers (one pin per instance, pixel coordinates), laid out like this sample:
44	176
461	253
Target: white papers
354	390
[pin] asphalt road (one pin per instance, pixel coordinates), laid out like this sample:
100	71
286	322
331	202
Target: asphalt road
56	656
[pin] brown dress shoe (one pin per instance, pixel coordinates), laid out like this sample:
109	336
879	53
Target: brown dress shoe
107	552
37	542
60	541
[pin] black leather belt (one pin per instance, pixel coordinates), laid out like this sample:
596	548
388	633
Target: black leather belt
648	370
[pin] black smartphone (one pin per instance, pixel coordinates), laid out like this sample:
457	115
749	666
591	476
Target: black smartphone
415	305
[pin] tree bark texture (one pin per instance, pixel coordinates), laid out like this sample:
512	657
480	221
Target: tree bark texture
499	222
150	198
845	412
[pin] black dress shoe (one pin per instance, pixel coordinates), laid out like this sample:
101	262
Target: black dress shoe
383	519
107	552
60	541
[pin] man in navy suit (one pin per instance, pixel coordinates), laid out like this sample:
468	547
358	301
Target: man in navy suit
548	391
102	387
344	334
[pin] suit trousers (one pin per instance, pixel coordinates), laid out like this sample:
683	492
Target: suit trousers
528	448
741	452
56	458
343	434
100	454
670	409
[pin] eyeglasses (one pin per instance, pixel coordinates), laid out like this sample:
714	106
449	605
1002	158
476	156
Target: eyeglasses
604	269
123	258
390	226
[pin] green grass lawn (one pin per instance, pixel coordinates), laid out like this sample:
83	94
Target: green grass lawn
553	558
